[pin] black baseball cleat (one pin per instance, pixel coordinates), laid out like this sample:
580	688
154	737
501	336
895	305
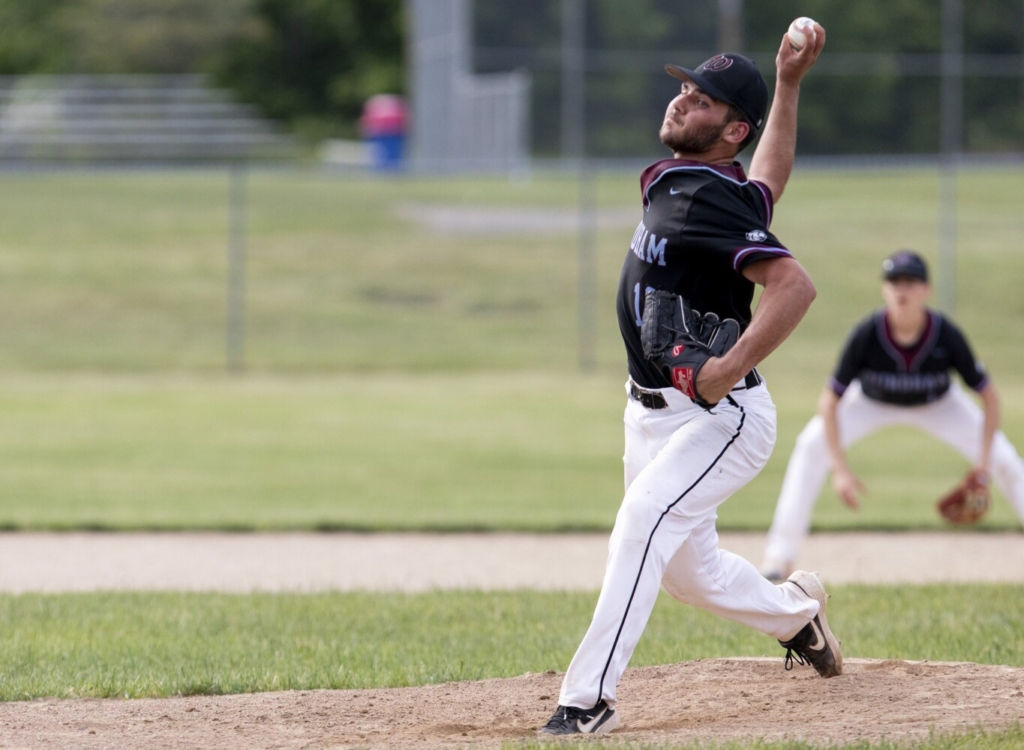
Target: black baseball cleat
814	644
572	720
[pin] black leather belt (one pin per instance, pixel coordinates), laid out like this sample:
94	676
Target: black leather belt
654	400
752	379
650	399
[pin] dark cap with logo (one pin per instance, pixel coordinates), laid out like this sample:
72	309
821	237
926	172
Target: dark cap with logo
904	264
732	79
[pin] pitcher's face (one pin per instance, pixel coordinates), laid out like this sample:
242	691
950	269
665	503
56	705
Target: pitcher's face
694	121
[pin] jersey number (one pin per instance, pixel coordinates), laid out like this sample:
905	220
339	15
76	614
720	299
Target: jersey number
636	302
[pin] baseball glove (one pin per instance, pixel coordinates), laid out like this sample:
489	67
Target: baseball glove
968	502
680	340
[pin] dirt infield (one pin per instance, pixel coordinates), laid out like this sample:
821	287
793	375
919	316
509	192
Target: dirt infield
720	700
421	562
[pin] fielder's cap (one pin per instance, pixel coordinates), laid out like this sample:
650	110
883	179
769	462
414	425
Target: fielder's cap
904	264
732	79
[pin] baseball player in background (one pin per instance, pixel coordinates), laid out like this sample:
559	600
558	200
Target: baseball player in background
690	443
894	370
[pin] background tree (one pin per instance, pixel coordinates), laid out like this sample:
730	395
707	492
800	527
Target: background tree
309	63
149	36
314	63
27	40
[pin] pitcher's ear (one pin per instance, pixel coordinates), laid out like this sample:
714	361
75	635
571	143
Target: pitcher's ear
736	131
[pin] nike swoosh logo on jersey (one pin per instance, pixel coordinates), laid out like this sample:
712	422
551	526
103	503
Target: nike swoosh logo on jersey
673	191
594	723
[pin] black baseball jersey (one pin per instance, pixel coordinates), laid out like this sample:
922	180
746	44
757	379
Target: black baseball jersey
702	225
906	376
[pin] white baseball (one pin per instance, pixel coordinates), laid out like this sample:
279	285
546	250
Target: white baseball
801	31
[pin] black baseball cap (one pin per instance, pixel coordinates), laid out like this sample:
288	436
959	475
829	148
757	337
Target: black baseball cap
732	79
904	264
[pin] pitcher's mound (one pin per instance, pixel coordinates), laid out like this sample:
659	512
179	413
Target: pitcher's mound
717	699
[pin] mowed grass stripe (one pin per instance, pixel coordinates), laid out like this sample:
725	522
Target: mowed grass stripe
470	451
147	644
127	271
407	377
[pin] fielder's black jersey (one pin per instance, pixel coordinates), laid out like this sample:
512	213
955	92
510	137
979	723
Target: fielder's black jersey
906	376
702	225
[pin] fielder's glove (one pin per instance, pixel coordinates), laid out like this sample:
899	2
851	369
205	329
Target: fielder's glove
968	502
680	340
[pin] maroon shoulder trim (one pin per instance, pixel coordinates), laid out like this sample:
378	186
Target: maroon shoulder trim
653	173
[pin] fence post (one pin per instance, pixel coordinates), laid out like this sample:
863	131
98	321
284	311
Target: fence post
587	266
235	327
574	149
574	79
951	125
730	25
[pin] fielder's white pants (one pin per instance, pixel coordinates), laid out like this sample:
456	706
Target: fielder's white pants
681	463
955	419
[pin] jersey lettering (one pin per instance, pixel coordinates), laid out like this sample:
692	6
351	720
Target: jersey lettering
926	384
647	247
656	254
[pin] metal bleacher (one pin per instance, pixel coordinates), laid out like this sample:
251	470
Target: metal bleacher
157	118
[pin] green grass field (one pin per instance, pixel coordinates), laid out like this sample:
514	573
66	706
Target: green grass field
403	376
158	644
529	451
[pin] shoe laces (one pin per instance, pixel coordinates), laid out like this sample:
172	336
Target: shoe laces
793	655
561	716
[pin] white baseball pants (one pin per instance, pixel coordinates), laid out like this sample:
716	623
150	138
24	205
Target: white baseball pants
681	463
954	419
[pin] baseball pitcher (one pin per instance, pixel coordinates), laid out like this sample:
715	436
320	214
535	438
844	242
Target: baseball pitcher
699	420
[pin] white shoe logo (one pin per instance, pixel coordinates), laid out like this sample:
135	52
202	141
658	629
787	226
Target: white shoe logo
589	726
819	642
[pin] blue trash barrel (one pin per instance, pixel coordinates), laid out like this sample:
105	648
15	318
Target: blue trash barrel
383	126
